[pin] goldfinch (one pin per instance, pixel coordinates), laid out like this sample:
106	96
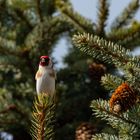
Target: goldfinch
45	77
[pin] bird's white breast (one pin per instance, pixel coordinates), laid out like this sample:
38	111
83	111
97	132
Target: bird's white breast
45	83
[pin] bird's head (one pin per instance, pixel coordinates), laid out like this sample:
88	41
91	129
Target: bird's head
45	61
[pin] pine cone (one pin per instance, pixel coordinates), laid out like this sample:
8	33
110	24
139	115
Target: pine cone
122	99
84	131
96	71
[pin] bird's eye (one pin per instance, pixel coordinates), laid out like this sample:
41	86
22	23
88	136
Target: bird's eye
47	60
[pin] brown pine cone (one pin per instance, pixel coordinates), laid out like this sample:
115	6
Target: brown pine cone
84	131
122	99
96	71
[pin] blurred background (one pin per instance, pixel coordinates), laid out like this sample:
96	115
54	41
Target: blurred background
89	10
31	28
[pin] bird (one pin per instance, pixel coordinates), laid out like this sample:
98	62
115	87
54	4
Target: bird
45	77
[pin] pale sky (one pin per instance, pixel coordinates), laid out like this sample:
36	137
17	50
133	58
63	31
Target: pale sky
88	8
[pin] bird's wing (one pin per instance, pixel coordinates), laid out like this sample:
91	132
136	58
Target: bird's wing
52	73
38	75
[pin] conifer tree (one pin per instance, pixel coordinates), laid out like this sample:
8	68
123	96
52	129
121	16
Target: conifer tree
28	29
122	109
43	118
32	28
85	71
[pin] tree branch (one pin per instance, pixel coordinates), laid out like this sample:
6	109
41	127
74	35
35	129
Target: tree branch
39	10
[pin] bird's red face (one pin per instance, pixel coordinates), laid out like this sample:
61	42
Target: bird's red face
44	61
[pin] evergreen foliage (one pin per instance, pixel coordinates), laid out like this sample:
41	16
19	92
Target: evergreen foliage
107	50
126	16
102	16
27	30
32	28
43	117
79	22
128	128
